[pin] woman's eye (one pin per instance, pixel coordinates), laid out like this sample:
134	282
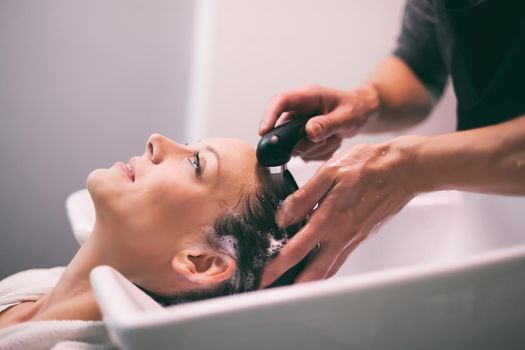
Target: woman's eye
196	162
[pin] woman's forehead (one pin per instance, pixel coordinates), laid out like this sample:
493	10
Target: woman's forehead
238	166
227	143
237	158
231	150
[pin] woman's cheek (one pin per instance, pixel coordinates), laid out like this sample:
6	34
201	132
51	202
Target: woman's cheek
175	200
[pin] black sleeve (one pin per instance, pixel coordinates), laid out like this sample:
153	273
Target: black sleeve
418	46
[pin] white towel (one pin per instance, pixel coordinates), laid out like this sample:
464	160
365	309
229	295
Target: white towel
28	285
60	335
31	285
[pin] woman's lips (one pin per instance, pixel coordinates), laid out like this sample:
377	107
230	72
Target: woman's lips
127	169
132	168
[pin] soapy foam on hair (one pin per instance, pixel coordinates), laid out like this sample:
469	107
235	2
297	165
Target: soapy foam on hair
229	245
224	243
275	244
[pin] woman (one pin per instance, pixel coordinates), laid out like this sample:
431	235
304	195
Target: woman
181	222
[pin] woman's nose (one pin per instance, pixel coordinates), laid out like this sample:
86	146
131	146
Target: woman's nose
159	147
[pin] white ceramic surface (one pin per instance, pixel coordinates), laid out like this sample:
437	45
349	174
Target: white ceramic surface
81	214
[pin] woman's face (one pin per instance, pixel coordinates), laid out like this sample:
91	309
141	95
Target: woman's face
163	200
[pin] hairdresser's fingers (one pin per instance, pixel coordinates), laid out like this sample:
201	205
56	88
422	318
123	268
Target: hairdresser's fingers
371	217
339	120
297	205
304	102
324	152
321	156
356	240
304	146
288	257
341	259
326	155
297	248
321	263
373	220
284	117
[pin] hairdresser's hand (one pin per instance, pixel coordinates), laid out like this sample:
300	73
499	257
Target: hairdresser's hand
334	115
357	191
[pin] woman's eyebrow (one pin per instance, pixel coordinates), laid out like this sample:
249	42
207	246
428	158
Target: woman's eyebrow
216	154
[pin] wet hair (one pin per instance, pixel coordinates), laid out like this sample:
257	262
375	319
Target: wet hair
252	237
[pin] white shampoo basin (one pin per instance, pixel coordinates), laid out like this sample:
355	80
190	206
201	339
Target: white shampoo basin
448	272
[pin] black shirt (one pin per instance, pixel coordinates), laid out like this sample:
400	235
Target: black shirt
425	44
479	43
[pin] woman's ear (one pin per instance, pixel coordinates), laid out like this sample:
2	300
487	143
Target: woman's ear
203	266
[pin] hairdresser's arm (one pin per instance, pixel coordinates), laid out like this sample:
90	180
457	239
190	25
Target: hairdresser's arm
486	160
393	98
362	187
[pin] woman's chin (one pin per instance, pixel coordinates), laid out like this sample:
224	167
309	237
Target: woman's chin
95	181
103	186
110	192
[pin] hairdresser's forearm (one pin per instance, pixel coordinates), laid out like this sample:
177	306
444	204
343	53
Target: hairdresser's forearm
396	97
487	160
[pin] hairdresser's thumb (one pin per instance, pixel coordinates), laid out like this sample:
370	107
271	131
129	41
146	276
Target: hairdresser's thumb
320	128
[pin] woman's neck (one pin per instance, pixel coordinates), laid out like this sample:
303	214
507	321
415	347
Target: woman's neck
72	297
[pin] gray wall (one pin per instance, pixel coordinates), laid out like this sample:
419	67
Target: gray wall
82	84
257	48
